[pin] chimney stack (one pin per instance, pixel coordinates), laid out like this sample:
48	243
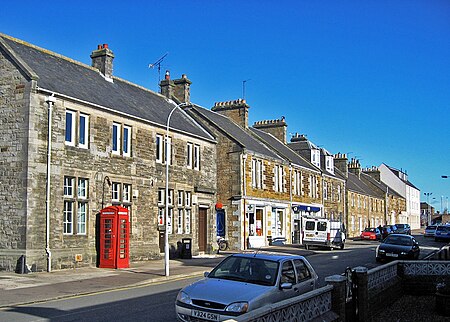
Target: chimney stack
354	167
102	59
236	110
178	89
340	162
275	127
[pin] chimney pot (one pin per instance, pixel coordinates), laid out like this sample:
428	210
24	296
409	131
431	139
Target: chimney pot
99	47
167	75
105	45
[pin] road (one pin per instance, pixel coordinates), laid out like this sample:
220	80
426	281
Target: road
156	301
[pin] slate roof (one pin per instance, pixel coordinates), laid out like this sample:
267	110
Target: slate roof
283	149
235	132
380	185
397	172
62	75
356	184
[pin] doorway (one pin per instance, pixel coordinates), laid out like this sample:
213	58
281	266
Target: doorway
202	229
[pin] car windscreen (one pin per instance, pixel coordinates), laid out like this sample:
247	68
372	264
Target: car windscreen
247	269
372	230
398	240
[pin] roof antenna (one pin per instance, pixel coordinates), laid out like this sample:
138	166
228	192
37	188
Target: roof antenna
158	64
243	88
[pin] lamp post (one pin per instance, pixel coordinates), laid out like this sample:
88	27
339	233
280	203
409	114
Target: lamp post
108	181
166	216
428	194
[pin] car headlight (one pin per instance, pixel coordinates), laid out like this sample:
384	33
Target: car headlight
403	253
184	298
239	307
382	251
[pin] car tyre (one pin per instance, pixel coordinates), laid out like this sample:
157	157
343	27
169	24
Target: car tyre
307	247
342	246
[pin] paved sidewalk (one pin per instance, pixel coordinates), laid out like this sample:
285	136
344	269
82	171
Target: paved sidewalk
16	289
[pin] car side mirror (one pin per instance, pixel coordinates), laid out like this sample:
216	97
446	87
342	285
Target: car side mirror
206	274
286	286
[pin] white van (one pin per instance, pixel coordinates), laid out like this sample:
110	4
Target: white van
323	232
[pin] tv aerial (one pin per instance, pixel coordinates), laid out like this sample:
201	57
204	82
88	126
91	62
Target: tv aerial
158	65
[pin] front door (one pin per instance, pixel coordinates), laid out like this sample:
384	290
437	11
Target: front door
202	231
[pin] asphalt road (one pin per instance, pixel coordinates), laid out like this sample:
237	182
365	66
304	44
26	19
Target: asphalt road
156	302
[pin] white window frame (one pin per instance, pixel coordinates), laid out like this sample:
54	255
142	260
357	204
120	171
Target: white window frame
72	115
168	150
126	141
159	148
115	191
81	218
325	190
188	199
161	217
180	221
187	221
315	157
253	173
68	217
339	193
83	134
161	200
196	157
69	188
189	155
126	192
180	198
117	141
170	201
82	188
170	221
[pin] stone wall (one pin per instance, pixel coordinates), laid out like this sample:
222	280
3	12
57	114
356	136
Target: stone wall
14	99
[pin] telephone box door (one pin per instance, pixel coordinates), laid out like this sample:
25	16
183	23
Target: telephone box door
114	237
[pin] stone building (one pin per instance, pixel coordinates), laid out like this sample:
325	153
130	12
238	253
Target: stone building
331	183
304	197
75	139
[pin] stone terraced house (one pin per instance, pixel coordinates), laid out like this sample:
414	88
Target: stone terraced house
75	139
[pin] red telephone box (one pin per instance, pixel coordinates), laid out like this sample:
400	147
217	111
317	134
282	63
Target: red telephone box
114	237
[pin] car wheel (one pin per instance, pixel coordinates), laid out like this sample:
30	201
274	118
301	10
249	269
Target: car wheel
306	246
342	246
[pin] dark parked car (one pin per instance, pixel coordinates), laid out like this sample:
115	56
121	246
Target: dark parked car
442	233
398	246
387	230
403	229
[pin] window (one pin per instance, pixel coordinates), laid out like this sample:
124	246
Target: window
287	273
315	157
180	221
115	192
161	216
159	148
188	199
189	155
313	186
180	198
329	163
126	141
83	131
121	144
126	196
257	173
82	188
278	178
196	157
72	200
161	200
325	190
187	222
68	186
116	138
70	127
302	270
339	193
81	218
170	201
169	221
68	217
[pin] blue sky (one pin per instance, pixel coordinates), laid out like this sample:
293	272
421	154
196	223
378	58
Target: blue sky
368	78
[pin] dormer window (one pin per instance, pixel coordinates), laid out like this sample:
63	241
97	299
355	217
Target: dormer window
329	163
315	157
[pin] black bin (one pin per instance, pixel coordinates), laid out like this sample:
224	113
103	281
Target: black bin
186	248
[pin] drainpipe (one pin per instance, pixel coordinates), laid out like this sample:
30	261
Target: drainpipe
244	190
50	100
290	204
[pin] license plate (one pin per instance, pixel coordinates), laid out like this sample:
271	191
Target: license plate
309	235
367	237
205	315
391	255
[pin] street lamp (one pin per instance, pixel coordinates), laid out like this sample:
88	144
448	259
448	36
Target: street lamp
108	181
428	194
166	216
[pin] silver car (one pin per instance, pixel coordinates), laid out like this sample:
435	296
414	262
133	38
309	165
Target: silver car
244	282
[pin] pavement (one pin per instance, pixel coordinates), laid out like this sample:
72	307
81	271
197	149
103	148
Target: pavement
21	289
